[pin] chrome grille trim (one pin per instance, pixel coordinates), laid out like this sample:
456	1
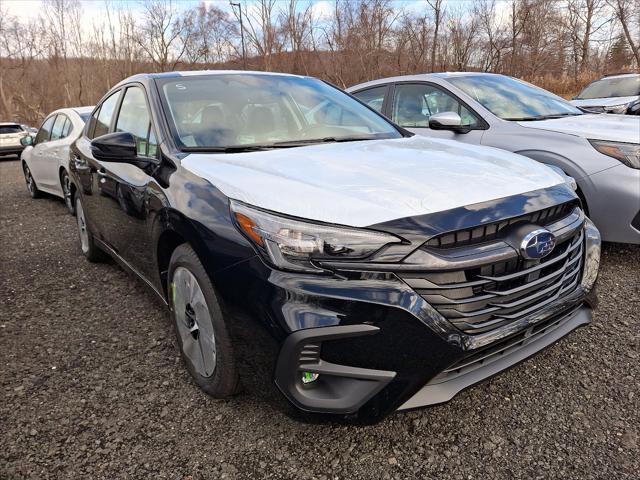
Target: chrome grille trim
477	300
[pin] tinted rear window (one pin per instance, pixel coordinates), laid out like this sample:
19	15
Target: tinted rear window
4	129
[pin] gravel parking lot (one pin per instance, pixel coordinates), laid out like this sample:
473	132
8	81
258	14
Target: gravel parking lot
93	387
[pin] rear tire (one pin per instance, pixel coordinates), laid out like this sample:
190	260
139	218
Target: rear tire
69	201
32	188
201	332
87	245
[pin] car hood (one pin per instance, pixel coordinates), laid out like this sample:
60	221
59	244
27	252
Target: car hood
369	182
615	128
604	102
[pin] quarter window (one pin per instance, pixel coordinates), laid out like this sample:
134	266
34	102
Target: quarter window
373	97
105	115
414	103
134	118
58	127
45	130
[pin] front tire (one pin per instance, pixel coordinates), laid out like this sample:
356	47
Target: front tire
31	183
65	183
87	244
199	324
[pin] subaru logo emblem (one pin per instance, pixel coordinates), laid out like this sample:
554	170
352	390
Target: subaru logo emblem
537	244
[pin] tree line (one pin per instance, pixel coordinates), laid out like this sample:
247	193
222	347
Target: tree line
62	58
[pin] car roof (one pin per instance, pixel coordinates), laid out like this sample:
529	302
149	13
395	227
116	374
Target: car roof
9	124
78	110
81	110
422	77
141	77
619	75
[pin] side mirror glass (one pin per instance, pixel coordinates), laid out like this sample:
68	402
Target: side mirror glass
119	147
26	140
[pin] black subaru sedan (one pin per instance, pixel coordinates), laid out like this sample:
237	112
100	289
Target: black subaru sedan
318	255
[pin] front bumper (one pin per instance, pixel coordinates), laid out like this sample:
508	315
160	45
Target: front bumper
376	344
617	213
11	149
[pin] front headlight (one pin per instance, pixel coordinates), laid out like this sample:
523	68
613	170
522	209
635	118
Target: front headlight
627	153
295	245
617	108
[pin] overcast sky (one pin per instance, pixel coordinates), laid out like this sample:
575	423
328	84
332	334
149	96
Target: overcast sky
30	8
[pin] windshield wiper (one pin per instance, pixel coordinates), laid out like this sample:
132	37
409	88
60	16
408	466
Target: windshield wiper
311	141
541	117
228	149
272	146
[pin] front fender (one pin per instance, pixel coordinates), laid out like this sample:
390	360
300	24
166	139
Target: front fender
551	158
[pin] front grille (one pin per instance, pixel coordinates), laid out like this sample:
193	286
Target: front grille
489	296
490	231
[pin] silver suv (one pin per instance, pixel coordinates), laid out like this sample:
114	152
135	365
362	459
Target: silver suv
611	94
601	152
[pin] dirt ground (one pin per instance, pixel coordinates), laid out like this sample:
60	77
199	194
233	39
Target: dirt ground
92	387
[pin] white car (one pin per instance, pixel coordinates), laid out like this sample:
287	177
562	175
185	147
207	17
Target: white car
601	152
45	160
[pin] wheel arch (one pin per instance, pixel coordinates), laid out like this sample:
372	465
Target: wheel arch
568	167
214	240
173	230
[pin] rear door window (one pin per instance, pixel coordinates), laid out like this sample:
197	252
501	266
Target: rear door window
66	130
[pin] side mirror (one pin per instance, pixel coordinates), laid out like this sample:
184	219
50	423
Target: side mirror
117	147
447	121
26	140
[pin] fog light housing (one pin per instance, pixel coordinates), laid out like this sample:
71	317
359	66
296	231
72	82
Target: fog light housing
309	377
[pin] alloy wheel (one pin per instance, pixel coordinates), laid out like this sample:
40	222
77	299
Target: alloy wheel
194	323
82	227
29	180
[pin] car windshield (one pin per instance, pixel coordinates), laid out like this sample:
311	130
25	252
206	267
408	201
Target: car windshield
5	129
227	111
612	87
512	99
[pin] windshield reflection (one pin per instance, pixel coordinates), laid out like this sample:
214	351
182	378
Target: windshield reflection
512	99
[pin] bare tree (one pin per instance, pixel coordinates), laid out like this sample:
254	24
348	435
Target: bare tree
263	30
160	33
559	45
628	14
438	15
461	36
207	35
